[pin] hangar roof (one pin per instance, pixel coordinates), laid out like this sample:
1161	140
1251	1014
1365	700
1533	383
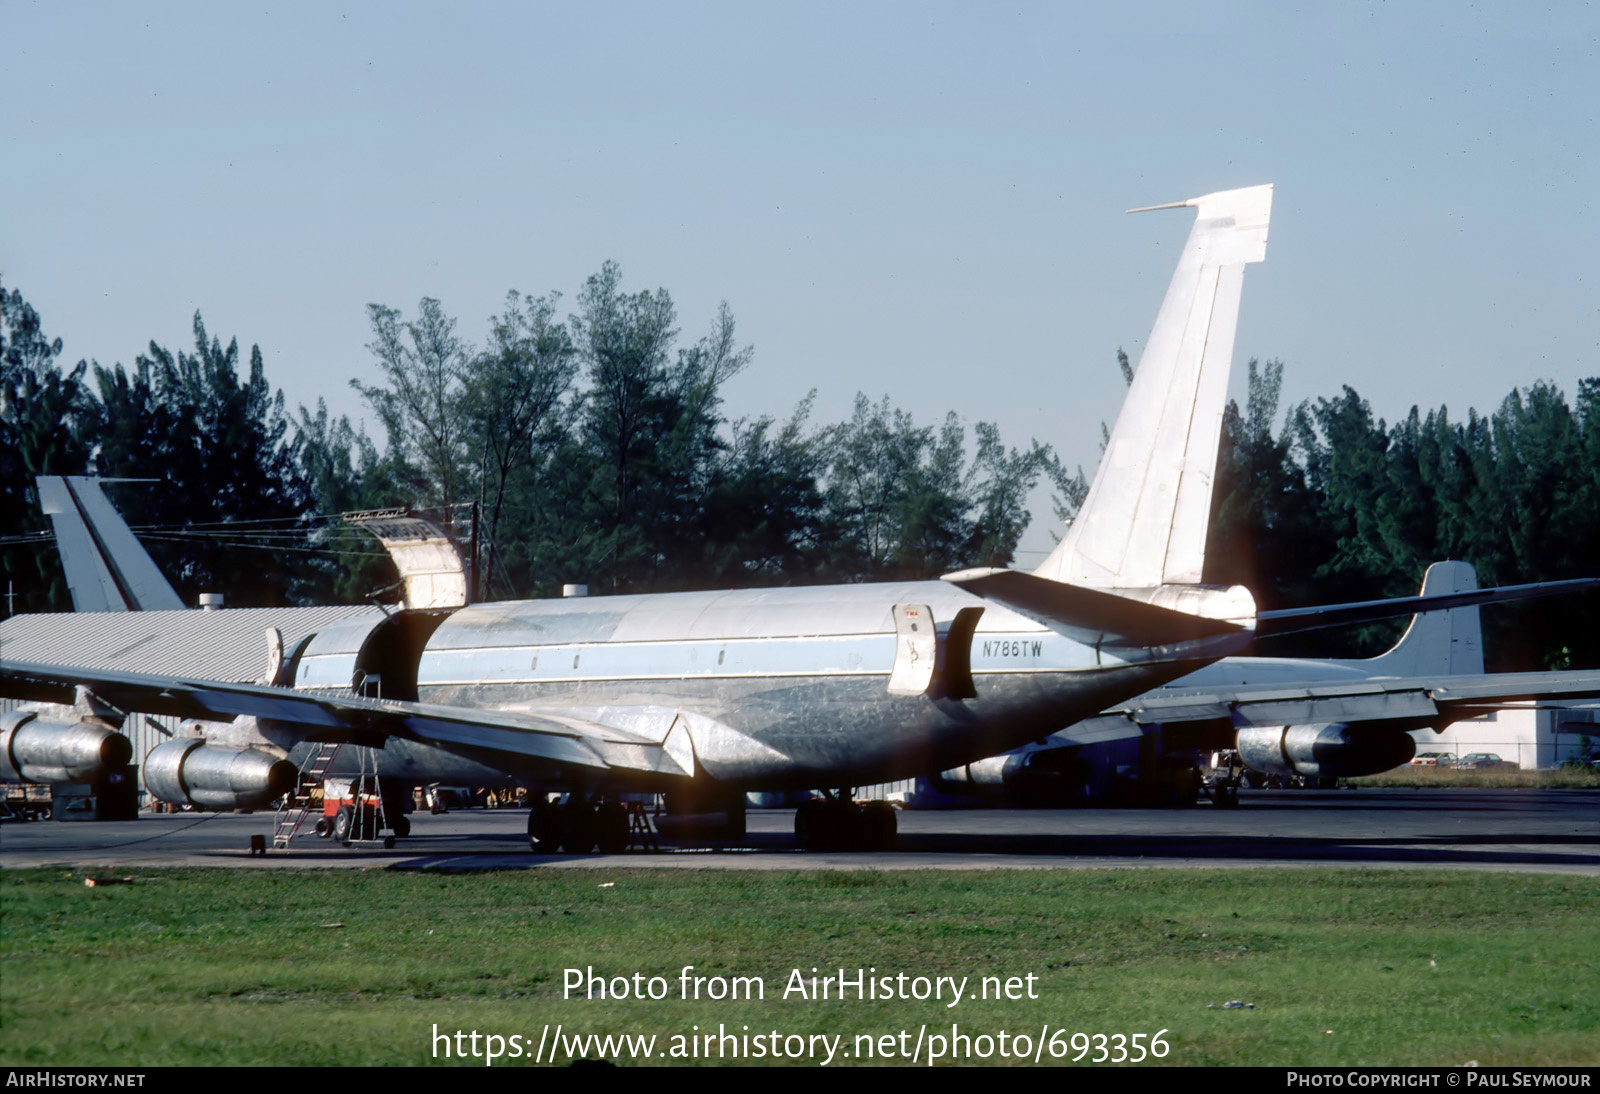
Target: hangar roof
229	644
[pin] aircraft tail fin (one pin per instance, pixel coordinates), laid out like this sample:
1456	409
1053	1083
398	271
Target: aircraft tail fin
107	569
1442	643
1145	519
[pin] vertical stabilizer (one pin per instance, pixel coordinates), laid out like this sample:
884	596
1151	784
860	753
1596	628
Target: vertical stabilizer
1442	643
107	569
1144	521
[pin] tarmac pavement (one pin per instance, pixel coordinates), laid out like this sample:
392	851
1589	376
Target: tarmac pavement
1540	831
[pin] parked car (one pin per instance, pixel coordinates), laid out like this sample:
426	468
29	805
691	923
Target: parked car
442	799
1432	759
1480	759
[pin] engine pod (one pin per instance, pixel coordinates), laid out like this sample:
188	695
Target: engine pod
1330	751
35	750
191	772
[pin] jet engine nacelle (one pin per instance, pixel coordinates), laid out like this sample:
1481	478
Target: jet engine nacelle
190	772
1331	751
1037	774
990	773
39	751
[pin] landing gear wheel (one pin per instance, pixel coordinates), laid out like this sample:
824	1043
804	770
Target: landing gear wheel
808	824
577	826
1186	788
878	826
829	825
401	826
343	821
544	828
611	827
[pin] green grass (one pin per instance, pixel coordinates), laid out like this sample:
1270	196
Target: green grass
1343	968
1496	778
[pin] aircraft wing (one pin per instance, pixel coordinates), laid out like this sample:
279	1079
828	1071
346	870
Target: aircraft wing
1423	699
569	737
1294	620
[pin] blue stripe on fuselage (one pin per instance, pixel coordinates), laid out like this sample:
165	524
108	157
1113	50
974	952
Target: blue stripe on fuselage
828	655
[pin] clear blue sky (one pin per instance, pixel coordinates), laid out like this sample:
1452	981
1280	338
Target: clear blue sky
919	199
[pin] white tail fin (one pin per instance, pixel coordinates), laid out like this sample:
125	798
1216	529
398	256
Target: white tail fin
1443	643
107	569
1144	521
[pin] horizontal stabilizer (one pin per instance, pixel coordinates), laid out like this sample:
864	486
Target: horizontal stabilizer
1295	620
1089	616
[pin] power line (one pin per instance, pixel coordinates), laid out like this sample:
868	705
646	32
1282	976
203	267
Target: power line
275	547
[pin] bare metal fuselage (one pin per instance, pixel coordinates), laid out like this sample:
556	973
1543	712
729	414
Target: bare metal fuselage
776	688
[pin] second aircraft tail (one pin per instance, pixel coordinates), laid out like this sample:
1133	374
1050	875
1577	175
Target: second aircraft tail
107	569
1442	643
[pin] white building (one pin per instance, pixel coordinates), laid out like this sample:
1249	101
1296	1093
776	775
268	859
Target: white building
1529	736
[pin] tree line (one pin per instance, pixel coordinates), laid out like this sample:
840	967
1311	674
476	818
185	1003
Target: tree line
1337	505
593	447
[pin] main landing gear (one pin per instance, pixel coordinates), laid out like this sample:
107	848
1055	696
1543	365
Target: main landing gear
578	825
838	823
1221	778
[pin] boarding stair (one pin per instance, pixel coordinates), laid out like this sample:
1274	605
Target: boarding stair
297	805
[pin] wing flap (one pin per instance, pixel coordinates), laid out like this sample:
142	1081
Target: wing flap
1310	708
1098	730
